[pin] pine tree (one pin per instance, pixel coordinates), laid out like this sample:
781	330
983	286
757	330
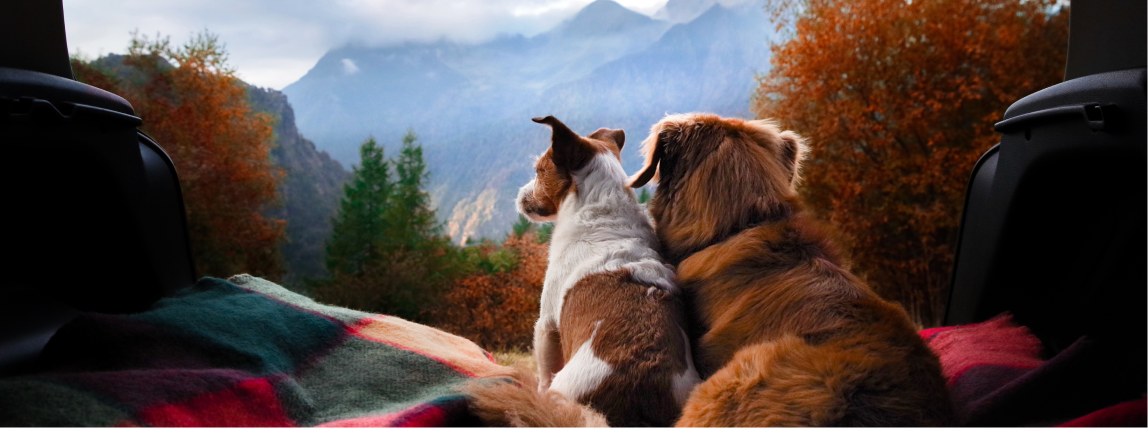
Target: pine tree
411	218
544	232
385	255
520	227
361	228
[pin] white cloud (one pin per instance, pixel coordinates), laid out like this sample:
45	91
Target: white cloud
272	43
349	67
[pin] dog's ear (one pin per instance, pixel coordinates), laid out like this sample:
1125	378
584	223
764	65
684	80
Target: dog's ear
792	153
653	158
569	151
616	136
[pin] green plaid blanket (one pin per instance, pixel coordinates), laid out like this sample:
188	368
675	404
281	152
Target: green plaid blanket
246	352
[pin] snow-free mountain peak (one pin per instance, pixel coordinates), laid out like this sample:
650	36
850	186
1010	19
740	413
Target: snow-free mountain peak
682	11
679	11
603	17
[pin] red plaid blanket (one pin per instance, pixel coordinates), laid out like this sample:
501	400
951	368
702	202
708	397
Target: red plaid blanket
997	377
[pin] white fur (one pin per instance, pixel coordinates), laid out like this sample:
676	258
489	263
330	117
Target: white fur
599	228
685	382
609	233
529	188
584	372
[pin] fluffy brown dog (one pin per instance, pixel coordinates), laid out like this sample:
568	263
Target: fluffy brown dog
789	335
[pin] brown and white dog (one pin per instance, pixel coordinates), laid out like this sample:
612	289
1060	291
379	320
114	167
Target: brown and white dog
610	332
786	334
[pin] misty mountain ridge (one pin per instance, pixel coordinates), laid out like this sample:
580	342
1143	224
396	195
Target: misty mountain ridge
600	18
471	105
682	11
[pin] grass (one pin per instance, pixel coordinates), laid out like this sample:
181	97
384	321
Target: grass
511	358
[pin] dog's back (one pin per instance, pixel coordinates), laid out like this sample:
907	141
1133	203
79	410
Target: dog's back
630	335
789	335
825	350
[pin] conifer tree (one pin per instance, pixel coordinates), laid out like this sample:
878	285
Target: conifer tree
410	216
361	228
520	227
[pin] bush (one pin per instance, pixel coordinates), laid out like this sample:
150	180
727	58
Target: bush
496	308
401	282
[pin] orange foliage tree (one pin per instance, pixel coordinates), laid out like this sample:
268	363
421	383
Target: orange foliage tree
897	99
497	310
196	109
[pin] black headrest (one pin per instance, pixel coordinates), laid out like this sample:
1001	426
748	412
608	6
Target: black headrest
1106	36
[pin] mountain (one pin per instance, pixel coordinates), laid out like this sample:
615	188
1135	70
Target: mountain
680	11
600	18
440	88
310	191
471	104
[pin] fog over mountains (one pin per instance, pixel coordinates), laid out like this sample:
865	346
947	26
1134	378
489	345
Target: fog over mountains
471	104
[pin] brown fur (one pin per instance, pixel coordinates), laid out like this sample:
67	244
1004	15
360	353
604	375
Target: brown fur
516	401
638	337
726	185
794	337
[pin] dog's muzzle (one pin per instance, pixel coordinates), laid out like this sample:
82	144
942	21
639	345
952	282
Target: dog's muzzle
528	206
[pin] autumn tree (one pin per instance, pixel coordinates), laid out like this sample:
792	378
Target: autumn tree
195	107
897	99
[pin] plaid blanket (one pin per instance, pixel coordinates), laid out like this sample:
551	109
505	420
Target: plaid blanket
997	377
246	352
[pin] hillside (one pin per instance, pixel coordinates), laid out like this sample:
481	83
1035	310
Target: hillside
471	104
309	193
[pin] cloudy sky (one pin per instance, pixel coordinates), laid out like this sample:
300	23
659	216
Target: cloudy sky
273	43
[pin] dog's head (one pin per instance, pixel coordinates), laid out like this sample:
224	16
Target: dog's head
717	176
554	171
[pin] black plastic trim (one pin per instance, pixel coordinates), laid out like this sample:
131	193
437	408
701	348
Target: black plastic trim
1093	114
148	141
961	232
30	108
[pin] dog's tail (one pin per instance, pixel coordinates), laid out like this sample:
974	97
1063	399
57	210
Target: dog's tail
516	401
